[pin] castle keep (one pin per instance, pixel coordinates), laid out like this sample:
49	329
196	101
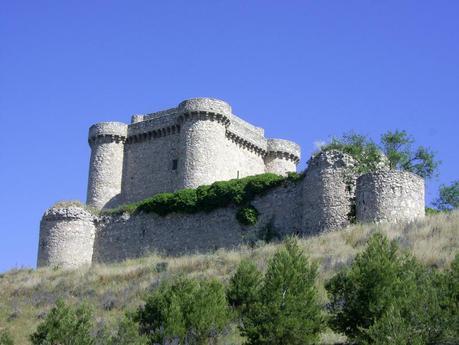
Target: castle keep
197	143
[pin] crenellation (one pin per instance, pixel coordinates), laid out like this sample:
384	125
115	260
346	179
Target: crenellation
197	143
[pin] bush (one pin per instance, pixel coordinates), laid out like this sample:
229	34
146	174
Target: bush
65	325
244	287
5	338
187	311
287	310
127	333
247	215
382	292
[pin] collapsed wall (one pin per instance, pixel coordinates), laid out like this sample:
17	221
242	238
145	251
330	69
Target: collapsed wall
328	192
392	195
66	236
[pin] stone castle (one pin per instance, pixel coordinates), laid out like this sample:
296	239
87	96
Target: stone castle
197	143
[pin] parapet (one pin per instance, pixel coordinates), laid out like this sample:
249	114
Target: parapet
116	131
392	196
211	105
67	232
285	149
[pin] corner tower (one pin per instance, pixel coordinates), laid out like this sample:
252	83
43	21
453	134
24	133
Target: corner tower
282	156
203	126
106	165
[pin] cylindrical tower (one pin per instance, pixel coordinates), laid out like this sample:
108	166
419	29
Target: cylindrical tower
328	192
392	196
66	236
203	127
106	166
282	156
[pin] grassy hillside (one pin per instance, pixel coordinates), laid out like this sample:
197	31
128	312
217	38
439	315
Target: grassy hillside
26	295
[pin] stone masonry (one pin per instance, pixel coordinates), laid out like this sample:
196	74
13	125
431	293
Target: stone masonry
196	143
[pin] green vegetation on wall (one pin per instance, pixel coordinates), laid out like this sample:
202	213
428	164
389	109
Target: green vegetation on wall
239	192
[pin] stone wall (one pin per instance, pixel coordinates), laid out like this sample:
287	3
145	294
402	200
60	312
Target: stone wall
148	166
390	196
328	193
130	236
66	237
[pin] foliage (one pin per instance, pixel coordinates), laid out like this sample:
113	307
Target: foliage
397	147
361	148
247	215
244	286
208	198
185	310
127	333
65	325
384	292
449	196
394	150
287	310
5	338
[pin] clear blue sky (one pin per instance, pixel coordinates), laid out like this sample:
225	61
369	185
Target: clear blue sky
304	70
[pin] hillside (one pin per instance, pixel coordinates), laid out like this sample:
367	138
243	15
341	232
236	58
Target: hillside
26	294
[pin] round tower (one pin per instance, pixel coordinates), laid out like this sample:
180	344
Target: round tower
203	126
106	166
66	239
328	192
393	196
282	156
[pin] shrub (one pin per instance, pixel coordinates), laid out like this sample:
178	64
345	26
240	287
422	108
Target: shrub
65	325
247	215
127	333
384	291
288	310
244	286
187	311
5	338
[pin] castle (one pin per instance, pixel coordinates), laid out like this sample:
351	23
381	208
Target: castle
197	143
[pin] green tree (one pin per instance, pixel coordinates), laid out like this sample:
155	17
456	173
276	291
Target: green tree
186	310
364	150
288	311
384	292
449	196
5	338
244	286
397	146
65	325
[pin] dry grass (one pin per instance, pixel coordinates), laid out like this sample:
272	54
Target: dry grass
26	295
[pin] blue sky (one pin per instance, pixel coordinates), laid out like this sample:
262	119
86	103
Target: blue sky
303	70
